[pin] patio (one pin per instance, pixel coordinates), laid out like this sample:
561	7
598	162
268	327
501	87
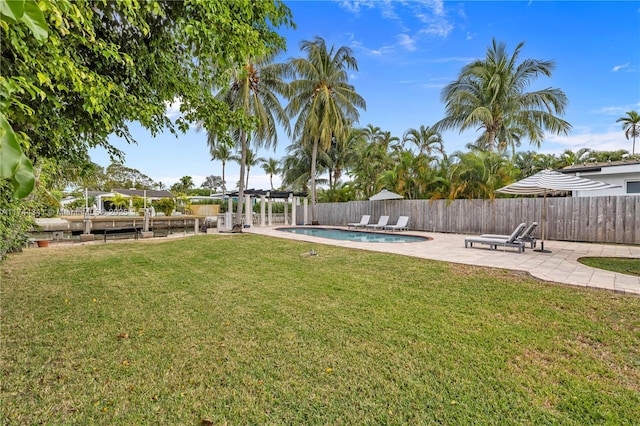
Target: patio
560	266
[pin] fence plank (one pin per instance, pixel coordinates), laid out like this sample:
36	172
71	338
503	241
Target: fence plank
614	219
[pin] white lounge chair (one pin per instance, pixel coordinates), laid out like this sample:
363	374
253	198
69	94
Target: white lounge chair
401	225
363	222
493	243
382	222
526	236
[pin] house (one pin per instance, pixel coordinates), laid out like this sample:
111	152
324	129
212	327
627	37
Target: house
624	173
149	194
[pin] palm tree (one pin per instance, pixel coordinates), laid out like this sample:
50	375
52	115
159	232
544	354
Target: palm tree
489	94
296	166
251	160
271	167
631	127
426	139
253	90
222	152
479	174
323	101
569	158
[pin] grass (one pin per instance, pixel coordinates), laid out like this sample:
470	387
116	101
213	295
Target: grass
624	265
244	329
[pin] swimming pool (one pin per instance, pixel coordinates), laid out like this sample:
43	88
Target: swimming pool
359	236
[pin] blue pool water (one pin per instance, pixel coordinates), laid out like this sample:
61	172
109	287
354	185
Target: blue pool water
359	236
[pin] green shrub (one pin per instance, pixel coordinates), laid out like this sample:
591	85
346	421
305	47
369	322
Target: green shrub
15	223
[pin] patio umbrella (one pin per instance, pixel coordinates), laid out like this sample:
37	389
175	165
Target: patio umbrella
550	182
386	195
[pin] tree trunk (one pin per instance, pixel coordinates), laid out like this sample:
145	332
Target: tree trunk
314	200
224	182
243	159
492	139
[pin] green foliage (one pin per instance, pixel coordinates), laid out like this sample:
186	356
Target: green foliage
631	127
107	63
183	186
14	221
164	205
489	94
14	164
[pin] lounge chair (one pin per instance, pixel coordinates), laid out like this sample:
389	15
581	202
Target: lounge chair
363	222
493	243
526	236
382	222
401	225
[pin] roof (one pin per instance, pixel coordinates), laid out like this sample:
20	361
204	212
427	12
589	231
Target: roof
150	193
597	166
269	194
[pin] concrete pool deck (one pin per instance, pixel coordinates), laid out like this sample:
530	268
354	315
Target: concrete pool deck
559	266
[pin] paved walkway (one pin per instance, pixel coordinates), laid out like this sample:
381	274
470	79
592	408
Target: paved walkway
560	266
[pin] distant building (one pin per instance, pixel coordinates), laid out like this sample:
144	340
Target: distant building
151	195
625	174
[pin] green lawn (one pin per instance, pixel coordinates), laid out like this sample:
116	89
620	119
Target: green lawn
245	329
624	265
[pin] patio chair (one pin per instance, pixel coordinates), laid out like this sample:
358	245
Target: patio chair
493	243
363	222
382	222
401	225
526	236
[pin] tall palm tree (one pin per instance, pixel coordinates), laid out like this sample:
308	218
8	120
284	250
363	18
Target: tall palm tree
322	99
490	94
253	90
222	152
271	167
631	127
426	139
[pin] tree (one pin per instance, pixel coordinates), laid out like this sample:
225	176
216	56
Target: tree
322	99
253	90
183	186
271	167
105	64
489	94
479	174
251	160
426	139
212	183
631	127
117	175
15	166
222	152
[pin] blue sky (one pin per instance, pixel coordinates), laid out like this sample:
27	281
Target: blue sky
407	51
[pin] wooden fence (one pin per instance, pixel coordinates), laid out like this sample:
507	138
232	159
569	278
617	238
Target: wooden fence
614	219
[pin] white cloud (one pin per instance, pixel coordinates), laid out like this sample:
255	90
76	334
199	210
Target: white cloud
612	140
407	42
619	67
431	14
381	51
173	108
617	110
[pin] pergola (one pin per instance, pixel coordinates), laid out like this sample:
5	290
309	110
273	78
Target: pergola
266	207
